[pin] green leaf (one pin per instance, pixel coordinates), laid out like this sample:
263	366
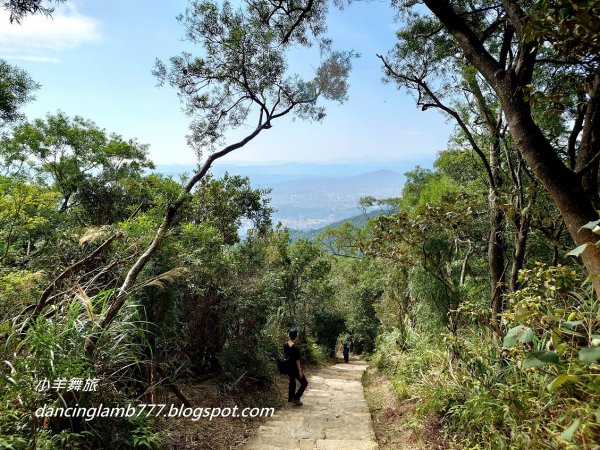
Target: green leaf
539	359
560	380
527	336
598	415
572	324
589	355
519	333
591	225
568	434
578	251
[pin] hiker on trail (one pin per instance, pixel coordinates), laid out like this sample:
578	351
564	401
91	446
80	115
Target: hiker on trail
346	351
294	370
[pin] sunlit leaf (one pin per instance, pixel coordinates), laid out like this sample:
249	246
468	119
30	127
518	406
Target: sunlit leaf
589	355
590	225
568	434
572	324
519	333
578	251
560	380
539	359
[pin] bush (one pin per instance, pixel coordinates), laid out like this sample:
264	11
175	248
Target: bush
541	390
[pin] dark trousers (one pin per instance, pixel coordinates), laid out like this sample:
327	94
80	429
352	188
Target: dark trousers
346	355
292	394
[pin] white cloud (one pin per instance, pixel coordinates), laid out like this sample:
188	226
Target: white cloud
34	58
38	38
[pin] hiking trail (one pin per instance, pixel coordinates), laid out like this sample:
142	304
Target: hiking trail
335	415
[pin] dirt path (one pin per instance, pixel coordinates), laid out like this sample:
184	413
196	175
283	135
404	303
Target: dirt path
335	415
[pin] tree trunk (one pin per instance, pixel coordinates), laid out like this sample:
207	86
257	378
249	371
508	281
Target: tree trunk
563	185
510	84
496	255
496	242
590	145
519	252
463	269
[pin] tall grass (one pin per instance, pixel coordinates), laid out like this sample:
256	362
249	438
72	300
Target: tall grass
54	348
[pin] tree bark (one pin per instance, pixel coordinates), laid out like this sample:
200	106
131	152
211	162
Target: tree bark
563	185
518	253
496	244
587	161
463	269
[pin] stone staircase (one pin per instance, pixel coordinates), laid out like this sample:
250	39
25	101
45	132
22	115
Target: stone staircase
335	415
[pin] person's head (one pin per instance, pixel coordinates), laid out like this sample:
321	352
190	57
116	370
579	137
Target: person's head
293	333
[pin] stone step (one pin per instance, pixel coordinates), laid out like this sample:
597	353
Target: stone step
335	415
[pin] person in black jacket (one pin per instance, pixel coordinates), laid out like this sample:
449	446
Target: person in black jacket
346	351
294	369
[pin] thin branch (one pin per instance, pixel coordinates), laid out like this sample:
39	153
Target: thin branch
438	104
37	309
301	17
589	166
168	219
577	128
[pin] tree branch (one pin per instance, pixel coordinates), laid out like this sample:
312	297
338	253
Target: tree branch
37	309
589	166
168	219
301	17
438	104
473	48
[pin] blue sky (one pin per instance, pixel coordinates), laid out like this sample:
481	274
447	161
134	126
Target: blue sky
94	59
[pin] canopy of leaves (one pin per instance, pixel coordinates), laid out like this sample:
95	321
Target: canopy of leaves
243	71
73	156
224	203
16	88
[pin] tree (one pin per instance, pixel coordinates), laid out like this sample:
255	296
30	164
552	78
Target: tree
26	212
18	9
224	203
495	39
241	75
76	158
16	88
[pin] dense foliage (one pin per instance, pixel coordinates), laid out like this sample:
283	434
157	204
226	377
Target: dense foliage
529	380
467	290
111	272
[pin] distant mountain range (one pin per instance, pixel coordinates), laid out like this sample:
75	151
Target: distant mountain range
265	175
309	195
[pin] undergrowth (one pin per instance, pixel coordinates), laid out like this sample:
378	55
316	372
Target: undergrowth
538	388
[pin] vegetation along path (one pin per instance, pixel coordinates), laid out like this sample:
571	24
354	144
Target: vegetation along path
334	416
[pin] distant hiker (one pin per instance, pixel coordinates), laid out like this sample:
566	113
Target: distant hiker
346	351
294	370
